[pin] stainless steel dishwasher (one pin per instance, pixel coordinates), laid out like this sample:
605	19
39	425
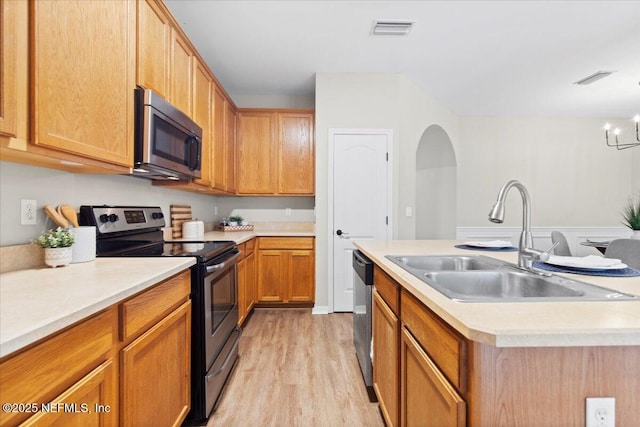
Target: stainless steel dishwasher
362	317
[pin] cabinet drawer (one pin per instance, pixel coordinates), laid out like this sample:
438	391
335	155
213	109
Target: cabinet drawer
42	372
249	246
446	347
242	247
387	288
285	242
142	311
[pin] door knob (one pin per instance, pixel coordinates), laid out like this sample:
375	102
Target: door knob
342	233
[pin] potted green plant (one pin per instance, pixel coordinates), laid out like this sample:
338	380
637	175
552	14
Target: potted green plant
235	220
631	216
57	246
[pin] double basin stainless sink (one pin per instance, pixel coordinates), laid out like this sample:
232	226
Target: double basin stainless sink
478	278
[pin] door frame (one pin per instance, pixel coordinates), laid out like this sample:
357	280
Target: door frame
330	194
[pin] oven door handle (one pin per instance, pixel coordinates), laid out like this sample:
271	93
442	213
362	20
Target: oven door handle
222	265
209	377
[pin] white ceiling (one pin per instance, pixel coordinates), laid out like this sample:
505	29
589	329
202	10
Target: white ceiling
504	58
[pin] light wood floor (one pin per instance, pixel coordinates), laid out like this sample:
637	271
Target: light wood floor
296	369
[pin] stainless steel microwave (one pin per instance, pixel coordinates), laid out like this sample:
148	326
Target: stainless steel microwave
168	144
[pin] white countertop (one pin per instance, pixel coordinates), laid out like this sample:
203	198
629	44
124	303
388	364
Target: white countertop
35	303
519	324
243	236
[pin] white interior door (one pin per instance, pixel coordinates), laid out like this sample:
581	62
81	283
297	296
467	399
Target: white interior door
361	201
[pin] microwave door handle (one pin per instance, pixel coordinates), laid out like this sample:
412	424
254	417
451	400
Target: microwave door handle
192	162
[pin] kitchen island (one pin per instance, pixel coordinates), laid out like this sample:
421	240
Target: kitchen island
477	364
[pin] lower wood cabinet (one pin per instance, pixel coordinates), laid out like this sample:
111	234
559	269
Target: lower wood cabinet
155	379
427	374
89	400
286	270
426	397
386	329
128	365
246	280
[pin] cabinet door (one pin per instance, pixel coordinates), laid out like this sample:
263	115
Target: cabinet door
242	290
154	32
92	401
202	115
386	331
252	285
180	74
14	72
427	398
302	276
230	137
218	155
296	153
272	272
155	373
83	77
256	156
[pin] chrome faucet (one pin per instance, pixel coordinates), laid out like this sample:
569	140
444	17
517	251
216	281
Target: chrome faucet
526	252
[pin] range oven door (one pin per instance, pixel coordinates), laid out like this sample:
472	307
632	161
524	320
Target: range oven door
221	331
220	304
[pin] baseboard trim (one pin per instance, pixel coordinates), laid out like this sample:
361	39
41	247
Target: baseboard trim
320	309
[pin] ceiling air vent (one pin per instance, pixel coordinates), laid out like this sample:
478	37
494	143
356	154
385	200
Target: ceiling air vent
388	27
594	77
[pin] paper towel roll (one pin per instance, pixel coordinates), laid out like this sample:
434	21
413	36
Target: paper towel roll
192	229
84	247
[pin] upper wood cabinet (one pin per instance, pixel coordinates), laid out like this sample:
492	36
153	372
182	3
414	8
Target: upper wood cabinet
13	60
81	104
275	153
181	73
230	120
256	152
202	84
165	56
223	153
154	40
296	153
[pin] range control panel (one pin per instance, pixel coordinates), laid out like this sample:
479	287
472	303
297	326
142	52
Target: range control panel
113	219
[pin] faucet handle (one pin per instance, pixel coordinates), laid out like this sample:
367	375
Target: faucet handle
537	254
545	255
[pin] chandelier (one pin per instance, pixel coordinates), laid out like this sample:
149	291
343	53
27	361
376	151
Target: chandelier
616	133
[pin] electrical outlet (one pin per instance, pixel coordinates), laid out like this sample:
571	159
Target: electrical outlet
408	211
601	412
287	212
28	212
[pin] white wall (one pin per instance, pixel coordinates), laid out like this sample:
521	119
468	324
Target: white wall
573	178
54	187
345	100
272	101
372	100
436	186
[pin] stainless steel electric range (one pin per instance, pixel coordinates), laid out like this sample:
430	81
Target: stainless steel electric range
136	231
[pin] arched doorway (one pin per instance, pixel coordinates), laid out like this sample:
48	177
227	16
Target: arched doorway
436	186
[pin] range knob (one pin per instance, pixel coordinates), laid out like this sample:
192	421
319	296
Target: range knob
113	218
156	215
104	218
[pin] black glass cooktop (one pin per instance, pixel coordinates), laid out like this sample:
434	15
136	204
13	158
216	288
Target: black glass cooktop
201	250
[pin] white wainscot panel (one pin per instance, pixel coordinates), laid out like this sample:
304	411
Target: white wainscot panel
542	236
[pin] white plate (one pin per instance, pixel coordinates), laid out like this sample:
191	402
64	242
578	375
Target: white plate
490	244
588	263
